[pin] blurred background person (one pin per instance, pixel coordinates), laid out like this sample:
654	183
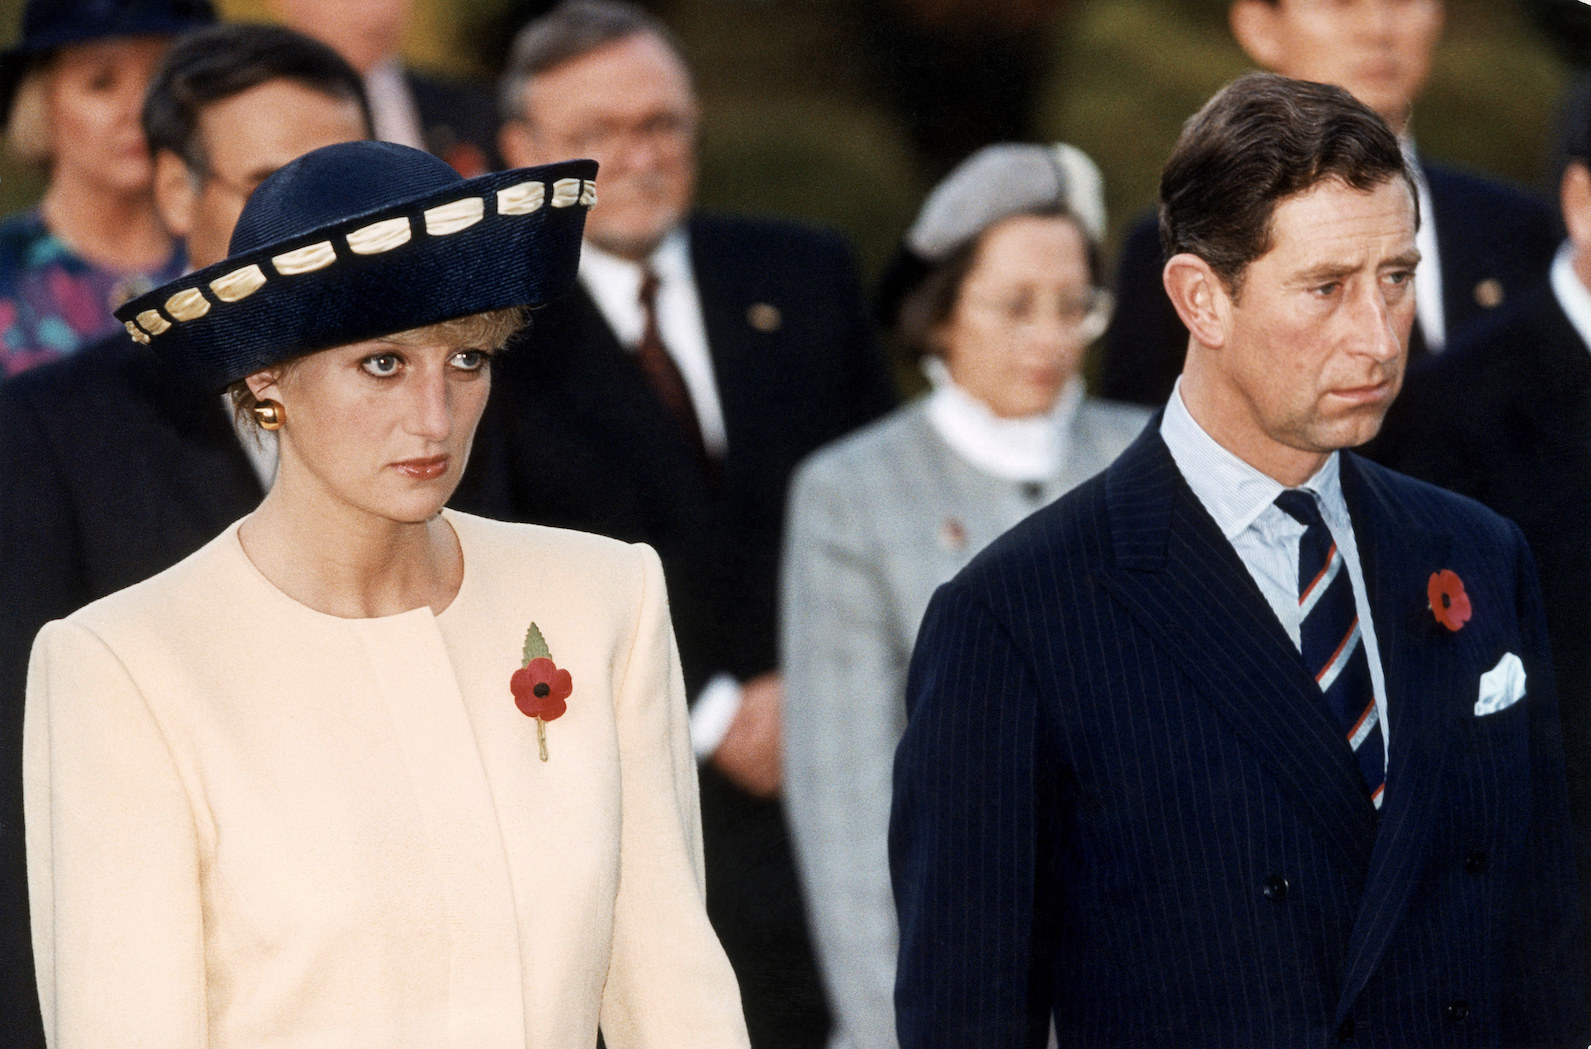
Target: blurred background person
1505	417
111	468
1000	294
1480	240
452	119
667	400
70	92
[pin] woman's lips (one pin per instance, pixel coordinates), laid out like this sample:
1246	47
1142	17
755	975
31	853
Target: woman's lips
423	469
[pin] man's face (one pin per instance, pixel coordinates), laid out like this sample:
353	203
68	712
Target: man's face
1378	50
363	31
244	139
630	106
1314	342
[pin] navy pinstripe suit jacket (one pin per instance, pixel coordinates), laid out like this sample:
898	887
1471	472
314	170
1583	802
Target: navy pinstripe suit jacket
1120	796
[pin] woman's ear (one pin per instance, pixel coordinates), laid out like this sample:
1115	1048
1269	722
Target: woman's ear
262	384
1200	297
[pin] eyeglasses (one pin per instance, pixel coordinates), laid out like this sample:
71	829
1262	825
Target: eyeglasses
1082	314
662	132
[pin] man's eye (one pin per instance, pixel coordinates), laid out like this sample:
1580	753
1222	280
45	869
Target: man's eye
381	365
1328	289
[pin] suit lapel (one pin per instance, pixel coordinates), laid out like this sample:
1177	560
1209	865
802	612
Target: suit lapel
1399	554
724	296
1179	576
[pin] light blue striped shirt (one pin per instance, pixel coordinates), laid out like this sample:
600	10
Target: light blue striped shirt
1242	501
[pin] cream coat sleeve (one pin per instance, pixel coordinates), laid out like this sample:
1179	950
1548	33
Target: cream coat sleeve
112	856
669	983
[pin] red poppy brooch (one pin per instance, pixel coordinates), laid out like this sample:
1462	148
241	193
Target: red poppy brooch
1449	602
539	686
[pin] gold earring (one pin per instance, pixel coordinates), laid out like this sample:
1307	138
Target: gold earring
270	414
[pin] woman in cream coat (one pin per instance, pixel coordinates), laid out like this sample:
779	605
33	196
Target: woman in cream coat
997	289
323	783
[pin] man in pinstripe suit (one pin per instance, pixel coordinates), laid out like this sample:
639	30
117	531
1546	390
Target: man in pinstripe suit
1247	742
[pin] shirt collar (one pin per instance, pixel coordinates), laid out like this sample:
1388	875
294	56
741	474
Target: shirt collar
1571	293
1233	492
671	258
1032	448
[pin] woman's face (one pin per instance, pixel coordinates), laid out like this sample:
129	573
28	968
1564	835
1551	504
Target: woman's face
1017	331
93	95
383	427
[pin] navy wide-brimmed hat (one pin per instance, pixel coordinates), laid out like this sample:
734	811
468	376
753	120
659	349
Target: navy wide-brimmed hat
49	24
365	239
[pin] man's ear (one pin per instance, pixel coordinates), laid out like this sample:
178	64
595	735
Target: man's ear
1257	28
519	144
1201	298
176	199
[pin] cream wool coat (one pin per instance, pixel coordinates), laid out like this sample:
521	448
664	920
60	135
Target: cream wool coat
250	824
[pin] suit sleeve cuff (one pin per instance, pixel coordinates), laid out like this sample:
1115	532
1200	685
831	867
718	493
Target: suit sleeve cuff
715	708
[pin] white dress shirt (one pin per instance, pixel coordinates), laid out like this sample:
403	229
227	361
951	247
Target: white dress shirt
392	107
614	284
1571	292
1242	501
1428	276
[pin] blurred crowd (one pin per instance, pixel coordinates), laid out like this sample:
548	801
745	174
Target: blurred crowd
718	386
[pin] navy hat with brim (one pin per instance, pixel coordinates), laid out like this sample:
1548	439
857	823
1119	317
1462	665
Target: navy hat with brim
51	24
365	239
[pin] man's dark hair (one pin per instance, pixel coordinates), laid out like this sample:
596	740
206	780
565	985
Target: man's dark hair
1261	139
213	64
571	30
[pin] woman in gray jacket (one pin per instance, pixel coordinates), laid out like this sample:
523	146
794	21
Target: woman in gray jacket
997	289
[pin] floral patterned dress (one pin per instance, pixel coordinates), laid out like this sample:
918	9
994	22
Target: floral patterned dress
51	300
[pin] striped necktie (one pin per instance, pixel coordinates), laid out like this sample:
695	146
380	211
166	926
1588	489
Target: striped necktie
1331	641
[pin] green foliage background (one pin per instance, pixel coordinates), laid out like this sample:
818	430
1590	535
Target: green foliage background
793	127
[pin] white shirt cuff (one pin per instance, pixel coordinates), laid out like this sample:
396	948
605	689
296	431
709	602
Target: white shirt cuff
716	707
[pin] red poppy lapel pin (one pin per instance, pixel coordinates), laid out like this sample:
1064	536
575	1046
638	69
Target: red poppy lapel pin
539	686
1449	602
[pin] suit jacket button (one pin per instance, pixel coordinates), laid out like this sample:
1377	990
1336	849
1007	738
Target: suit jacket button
1345	1030
1275	888
1476	862
1457	1011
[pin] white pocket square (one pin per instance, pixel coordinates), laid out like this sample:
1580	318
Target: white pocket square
1502	686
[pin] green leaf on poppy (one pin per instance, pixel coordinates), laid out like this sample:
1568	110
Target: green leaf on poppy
535	645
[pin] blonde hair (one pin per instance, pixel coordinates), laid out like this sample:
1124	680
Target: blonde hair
480	331
28	127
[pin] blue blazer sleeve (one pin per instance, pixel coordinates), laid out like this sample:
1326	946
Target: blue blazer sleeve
1543	925
973	817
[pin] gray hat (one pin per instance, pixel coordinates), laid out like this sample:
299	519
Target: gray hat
995	183
1007	179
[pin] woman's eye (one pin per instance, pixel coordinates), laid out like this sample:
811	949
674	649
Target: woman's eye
471	360
381	365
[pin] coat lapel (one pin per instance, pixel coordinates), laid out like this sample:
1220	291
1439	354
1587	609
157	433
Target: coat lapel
1399	554
1179	576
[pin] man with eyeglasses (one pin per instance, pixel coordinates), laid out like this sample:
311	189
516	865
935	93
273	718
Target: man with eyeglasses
667	401
109	471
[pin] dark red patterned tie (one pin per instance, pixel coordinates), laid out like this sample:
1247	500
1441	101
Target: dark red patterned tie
663	374
1332	644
